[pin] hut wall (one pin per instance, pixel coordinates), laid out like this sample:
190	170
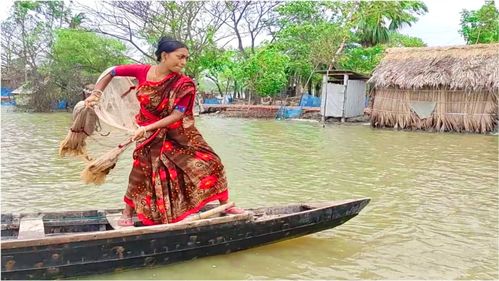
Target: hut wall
356	98
455	110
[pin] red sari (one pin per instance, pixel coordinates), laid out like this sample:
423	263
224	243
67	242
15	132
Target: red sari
175	172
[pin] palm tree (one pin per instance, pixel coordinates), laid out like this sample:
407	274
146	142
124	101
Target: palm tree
378	18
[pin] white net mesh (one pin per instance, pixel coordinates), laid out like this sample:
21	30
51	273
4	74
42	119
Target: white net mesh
118	104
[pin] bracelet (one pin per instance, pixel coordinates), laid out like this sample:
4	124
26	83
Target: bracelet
97	91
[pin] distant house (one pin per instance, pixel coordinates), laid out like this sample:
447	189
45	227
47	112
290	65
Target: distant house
437	89
22	95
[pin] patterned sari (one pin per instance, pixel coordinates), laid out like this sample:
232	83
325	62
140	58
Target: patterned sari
175	172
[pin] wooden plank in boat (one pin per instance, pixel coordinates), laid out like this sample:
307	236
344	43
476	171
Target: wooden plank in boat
31	228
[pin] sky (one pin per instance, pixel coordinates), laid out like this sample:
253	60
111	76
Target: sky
439	27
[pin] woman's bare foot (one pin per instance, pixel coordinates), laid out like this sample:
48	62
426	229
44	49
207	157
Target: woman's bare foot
126	217
232	210
125	221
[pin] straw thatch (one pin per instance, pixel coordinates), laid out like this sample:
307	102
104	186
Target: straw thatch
462	80
471	68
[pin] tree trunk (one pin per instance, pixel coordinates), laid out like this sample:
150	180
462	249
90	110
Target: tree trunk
299	87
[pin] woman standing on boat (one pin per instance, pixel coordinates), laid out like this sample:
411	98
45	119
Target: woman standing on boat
175	172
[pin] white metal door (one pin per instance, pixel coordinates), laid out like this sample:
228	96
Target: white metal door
334	104
356	98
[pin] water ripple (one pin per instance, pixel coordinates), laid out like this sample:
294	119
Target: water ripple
433	213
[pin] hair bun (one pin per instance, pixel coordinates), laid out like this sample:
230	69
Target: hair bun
166	39
167	44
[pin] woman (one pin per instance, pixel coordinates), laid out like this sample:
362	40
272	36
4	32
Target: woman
175	172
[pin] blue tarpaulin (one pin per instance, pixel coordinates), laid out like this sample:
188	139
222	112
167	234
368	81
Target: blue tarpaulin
62	104
7	97
6	92
310	101
287	112
211	101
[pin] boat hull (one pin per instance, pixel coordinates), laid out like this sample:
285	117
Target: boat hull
68	258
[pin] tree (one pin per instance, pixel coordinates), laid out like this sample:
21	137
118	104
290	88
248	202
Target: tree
400	40
265	71
141	23
299	24
362	59
219	67
375	19
28	36
481	26
28	32
79	57
248	17
365	59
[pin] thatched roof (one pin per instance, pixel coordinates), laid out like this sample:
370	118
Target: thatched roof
23	90
472	68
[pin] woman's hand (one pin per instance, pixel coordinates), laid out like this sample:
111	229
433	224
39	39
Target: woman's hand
139	134
92	100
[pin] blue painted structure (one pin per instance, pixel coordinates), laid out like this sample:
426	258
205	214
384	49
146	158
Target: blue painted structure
7	99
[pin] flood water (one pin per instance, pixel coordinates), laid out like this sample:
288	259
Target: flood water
434	197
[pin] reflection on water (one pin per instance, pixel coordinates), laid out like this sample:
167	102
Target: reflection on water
433	214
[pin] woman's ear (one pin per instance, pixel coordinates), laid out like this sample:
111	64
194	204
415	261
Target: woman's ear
164	56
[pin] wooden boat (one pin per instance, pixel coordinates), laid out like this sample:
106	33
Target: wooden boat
66	244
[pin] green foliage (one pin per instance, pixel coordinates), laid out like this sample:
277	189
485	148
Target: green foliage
186	21
221	67
400	40
365	59
325	47
375	19
301	23
92	53
481	26
362	59
307	35
79	57
266	71
28	36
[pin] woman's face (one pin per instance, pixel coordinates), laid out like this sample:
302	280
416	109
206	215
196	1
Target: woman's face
176	60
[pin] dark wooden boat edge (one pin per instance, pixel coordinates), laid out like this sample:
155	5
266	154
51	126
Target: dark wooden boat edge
130	231
68	255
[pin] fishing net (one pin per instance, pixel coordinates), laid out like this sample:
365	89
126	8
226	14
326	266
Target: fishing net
117	108
118	104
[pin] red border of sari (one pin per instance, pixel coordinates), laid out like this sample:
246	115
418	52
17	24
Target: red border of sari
224	195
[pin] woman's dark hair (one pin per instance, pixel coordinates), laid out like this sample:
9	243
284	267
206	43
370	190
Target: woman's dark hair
168	44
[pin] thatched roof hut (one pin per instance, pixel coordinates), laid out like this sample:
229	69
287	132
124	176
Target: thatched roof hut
437	88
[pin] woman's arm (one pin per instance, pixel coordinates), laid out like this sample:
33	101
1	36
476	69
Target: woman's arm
98	89
134	70
168	120
180	107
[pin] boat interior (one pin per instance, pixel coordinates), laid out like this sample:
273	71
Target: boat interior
47	224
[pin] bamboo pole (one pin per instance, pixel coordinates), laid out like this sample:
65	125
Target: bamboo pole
210	213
